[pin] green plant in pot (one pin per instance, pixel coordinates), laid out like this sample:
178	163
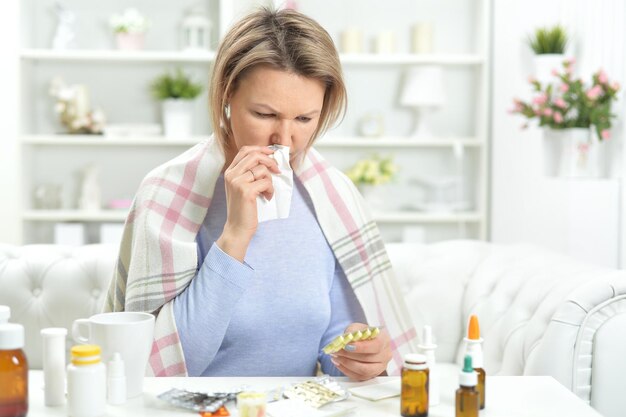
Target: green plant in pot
548	44
176	91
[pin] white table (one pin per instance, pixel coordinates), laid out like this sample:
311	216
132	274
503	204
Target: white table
507	396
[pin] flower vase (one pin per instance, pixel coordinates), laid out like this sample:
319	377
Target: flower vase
129	41
572	153
544	65
177	118
373	195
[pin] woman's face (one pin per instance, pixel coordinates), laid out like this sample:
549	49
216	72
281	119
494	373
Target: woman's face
273	106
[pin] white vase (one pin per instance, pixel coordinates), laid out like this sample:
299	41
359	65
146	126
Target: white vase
572	153
177	118
129	41
545	64
373	195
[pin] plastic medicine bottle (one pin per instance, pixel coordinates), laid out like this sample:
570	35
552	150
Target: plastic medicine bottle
86	382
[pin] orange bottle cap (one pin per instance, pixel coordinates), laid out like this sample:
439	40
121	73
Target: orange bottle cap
473	332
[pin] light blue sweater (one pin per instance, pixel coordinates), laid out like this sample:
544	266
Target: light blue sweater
271	315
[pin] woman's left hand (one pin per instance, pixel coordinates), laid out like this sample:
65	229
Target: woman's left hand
364	359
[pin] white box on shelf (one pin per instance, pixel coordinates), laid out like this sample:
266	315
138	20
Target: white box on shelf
111	233
414	234
72	234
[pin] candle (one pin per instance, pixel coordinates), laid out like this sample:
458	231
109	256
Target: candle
81	101
422	38
386	43
352	41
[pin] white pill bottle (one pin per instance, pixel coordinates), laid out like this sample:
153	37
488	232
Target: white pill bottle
86	382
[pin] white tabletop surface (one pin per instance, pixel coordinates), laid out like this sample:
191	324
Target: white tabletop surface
507	396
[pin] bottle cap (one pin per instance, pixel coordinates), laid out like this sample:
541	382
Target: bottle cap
427	338
5	314
468	377
11	336
85	354
415	361
54	332
473	331
116	366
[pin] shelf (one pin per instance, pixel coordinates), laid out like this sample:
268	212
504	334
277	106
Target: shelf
327	142
120	216
99	140
114	55
394	142
75	215
422	217
408	59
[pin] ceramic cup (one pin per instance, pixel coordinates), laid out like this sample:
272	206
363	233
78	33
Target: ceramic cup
129	333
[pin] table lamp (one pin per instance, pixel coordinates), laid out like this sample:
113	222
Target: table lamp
423	91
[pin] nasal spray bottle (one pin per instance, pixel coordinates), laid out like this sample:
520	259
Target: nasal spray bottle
474	349
427	347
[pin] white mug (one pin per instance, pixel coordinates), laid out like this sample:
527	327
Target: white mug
129	333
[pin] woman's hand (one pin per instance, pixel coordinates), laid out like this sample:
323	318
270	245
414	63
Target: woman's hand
364	359
248	176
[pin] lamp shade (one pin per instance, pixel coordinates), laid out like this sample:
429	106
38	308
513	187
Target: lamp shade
423	86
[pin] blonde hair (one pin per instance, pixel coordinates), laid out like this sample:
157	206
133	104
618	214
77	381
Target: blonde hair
285	40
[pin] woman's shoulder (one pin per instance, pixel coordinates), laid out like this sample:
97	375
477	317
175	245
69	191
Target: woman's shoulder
190	169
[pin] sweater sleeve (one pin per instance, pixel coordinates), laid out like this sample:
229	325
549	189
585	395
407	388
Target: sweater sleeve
345	310
203	310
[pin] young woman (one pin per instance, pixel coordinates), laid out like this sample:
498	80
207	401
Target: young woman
237	297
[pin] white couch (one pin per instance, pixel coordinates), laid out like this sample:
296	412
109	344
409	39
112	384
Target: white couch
540	313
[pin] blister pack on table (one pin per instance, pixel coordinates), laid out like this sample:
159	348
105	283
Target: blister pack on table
317	392
199	401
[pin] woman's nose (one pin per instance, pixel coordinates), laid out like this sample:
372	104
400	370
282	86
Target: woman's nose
282	135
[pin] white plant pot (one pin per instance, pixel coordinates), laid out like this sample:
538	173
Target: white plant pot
572	153
177	118
129	41
544	65
373	195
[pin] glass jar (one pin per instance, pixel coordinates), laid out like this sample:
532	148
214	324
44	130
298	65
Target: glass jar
415	379
13	371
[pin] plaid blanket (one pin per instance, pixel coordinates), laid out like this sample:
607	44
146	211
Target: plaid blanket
158	256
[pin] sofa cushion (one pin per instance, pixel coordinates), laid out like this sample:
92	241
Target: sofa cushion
51	286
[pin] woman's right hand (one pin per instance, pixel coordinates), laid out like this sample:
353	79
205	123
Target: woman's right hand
247	177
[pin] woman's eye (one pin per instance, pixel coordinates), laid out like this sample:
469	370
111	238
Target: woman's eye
303	119
265	115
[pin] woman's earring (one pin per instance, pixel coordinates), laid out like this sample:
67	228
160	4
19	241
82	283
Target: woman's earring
227	111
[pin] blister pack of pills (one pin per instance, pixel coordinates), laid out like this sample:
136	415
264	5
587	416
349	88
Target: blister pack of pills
317	392
199	401
341	341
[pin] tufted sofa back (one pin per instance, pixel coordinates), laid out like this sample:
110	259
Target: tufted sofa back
51	286
514	289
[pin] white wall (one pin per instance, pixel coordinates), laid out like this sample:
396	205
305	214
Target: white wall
10	230
580	218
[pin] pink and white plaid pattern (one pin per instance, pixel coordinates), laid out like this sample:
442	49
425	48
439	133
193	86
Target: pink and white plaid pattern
158	255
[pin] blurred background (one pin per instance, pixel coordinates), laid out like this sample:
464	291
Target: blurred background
99	93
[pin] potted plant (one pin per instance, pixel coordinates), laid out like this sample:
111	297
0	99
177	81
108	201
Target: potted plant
129	28
368	174
576	116
548	44
176	93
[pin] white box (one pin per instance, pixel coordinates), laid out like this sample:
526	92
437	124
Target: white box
111	233
72	234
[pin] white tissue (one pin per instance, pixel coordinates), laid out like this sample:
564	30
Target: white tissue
280	204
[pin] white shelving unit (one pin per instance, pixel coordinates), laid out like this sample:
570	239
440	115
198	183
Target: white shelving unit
48	156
